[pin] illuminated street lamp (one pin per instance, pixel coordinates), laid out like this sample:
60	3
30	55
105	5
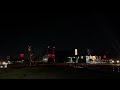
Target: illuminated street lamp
76	52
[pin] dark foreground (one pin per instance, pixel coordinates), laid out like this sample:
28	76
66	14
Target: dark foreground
58	72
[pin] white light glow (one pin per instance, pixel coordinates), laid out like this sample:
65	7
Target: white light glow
1	66
4	63
81	57
94	57
5	66
90	57
118	61
76	52
45	60
113	61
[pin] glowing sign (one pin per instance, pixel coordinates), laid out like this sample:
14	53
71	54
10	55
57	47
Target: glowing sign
22	55
76	52
104	56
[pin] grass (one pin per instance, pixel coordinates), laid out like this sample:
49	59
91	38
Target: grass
33	73
52	72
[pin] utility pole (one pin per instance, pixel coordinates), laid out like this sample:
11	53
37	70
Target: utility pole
29	52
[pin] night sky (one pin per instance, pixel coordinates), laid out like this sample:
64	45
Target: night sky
68	30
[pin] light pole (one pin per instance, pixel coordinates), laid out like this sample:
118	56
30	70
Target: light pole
76	55
29	50
76	59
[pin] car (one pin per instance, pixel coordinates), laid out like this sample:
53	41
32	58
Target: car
115	61
3	65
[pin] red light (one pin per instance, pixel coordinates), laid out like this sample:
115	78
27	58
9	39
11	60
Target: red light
104	56
53	56
22	55
31	55
49	55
